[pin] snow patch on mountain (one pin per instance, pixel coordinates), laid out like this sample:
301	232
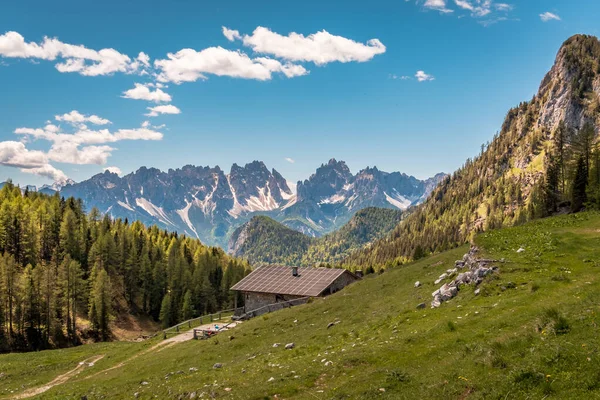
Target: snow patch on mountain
335	199
398	201
125	205
184	213
153	210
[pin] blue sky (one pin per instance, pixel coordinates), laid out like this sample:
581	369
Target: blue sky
266	95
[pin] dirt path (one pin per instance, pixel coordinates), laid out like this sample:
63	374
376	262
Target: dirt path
59	380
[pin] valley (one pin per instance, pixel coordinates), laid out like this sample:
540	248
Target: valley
531	331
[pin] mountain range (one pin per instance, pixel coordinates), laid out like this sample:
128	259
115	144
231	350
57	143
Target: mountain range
209	204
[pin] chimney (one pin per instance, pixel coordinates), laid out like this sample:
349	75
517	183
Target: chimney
294	271
358	273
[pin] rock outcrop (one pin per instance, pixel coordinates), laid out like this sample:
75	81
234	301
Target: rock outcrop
476	269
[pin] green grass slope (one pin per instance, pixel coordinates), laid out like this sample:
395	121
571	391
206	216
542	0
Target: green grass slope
532	333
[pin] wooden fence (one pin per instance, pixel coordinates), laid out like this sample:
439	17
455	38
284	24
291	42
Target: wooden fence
204	319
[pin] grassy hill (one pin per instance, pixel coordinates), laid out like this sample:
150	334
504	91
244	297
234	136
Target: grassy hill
532	332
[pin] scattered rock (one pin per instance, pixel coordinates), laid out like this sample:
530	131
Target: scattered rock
382	390
271	379
328	363
477	270
193	395
330	325
193	369
417	284
218	365
144	383
227	389
422	305
290	346
275	344
477	291
136	394
520	250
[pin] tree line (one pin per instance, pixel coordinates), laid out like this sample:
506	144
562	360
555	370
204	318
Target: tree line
66	274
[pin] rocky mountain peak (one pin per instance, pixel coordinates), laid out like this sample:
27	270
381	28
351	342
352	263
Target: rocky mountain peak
570	91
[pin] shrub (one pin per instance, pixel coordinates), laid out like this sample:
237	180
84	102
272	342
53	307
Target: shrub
451	326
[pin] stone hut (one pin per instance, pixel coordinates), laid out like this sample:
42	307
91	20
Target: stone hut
275	284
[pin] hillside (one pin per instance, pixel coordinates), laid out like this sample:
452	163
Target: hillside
545	159
532	332
263	240
68	277
209	204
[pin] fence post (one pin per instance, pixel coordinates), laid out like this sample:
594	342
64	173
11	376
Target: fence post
195	336
219	315
177	328
211	318
189	324
164	335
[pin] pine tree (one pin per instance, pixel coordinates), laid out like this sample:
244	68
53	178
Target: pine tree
187	311
100	299
579	195
165	311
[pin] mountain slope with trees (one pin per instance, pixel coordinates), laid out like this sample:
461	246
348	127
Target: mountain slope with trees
545	159
264	240
65	275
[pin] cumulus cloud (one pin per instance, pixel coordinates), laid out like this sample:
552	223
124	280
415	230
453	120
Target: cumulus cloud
75	117
143	92
82	146
15	154
494	12
73	58
290	160
189	65
114	170
438	5
231	34
548	16
319	48
423	77
477	9
164	109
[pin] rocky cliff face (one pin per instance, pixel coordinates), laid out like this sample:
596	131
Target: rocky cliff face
207	203
508	183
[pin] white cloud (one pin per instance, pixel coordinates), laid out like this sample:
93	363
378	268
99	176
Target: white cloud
47	171
438	5
320	48
144	59
139	134
423	77
480	8
71	153
114	170
75	58
75	117
15	154
83	146
231	34
400	77
548	16
189	65
503	7
143	92
164	109
290	160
